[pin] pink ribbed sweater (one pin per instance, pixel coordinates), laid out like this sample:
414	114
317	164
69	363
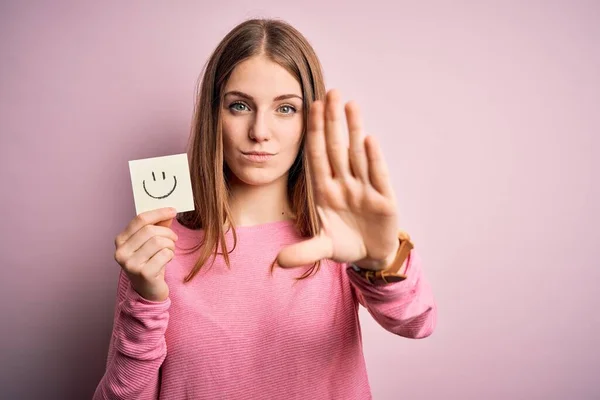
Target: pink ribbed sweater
241	333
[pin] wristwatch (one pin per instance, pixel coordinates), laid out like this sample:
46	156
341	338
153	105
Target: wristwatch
389	274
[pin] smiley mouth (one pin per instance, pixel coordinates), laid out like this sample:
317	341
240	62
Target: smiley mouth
164	196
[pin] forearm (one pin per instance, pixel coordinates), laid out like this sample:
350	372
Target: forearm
405	308
137	347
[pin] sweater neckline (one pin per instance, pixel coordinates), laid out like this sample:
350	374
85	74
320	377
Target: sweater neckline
273	226
265	225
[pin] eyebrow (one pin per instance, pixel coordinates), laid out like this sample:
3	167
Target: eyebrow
247	96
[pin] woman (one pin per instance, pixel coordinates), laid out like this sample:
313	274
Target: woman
259	298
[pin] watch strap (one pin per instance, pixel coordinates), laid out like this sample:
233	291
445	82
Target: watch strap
391	273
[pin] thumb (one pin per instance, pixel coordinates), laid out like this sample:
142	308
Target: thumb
306	252
166	223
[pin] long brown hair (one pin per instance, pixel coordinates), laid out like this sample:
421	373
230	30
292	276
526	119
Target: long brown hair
286	46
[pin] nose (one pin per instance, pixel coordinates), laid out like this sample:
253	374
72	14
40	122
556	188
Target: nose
259	130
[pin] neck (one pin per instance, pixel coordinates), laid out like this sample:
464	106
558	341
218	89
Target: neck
254	205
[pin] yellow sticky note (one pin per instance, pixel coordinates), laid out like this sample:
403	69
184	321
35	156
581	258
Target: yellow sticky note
161	182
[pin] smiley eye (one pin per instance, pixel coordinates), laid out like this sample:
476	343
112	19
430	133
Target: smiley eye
154	177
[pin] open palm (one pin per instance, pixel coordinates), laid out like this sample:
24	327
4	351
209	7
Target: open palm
353	194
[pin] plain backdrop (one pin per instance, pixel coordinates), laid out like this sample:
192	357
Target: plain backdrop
488	113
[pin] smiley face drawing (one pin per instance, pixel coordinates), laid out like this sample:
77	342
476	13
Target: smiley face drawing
164	196
163	181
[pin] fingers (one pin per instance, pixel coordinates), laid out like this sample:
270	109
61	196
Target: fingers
149	259
147	237
140	238
358	157
328	155
337	151
144	248
315	144
156	264
146	218
378	171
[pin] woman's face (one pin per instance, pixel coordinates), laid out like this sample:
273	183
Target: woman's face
262	121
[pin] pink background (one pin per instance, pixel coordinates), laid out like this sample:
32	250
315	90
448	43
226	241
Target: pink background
489	116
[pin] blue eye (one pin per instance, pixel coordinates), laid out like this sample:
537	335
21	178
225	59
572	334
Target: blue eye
290	108
238	109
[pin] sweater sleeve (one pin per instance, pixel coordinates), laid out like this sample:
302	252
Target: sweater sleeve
137	346
406	308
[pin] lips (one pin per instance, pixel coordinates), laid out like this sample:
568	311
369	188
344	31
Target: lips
258	156
258	153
